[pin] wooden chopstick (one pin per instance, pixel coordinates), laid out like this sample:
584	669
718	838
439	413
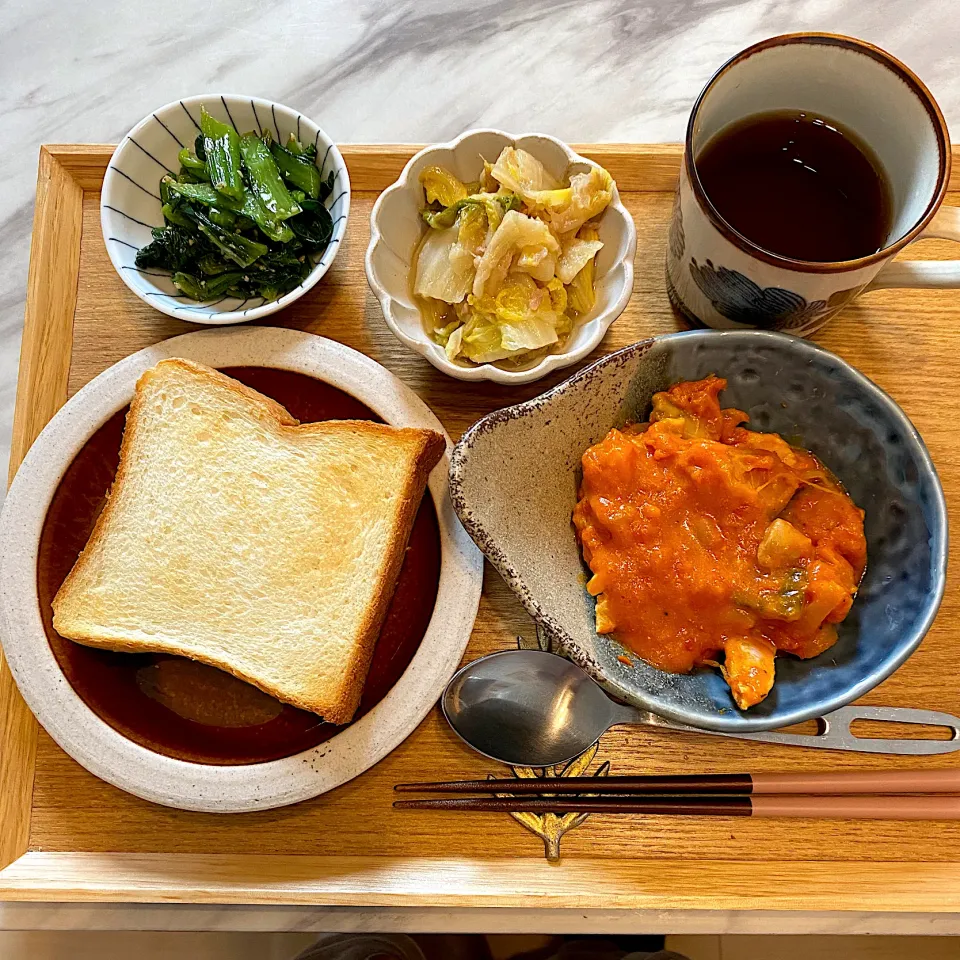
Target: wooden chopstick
735	783
855	782
870	807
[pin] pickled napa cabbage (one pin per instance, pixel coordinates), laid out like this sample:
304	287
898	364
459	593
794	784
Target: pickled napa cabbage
576	254
442	272
517	235
590	193
523	174
442	186
507	264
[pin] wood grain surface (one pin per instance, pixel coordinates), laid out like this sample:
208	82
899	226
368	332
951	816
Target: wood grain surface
528	883
907	342
42	390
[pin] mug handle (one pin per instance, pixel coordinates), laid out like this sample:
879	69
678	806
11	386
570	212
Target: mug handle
925	273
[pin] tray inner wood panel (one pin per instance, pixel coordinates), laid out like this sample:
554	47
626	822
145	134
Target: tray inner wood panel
907	342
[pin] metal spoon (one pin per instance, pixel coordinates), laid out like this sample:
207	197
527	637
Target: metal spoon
534	709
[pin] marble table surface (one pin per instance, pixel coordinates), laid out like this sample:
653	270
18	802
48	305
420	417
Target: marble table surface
393	70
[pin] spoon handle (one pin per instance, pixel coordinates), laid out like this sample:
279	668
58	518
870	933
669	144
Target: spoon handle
835	731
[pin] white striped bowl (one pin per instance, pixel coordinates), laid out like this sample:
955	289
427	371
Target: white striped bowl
130	198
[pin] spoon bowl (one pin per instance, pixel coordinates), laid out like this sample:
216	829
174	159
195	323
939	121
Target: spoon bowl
528	708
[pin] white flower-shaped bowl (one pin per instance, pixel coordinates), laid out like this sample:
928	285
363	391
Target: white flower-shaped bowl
396	228
130	198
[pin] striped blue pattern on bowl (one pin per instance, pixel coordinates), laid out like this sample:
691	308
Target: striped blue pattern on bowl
130	198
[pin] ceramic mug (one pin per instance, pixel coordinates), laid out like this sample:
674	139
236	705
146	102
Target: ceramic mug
717	277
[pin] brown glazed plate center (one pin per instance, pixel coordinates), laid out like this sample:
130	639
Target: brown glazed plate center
186	710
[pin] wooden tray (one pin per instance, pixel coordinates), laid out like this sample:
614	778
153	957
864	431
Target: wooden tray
68	836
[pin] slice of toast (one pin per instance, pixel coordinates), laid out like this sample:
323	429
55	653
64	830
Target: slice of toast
235	536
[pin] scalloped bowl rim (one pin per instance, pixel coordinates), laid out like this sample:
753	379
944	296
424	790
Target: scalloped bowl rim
489	371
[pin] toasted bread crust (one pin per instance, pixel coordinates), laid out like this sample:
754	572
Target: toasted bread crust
269	406
430	449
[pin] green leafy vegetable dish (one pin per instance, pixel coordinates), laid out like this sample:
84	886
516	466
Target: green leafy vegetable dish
506	268
243	218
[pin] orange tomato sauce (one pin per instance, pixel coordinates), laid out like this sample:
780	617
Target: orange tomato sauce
698	530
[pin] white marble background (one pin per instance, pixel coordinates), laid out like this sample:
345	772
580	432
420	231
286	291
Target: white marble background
394	70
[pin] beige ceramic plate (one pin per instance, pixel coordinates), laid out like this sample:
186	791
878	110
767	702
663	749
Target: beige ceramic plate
205	786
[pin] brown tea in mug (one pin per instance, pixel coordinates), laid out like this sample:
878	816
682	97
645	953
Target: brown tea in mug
798	185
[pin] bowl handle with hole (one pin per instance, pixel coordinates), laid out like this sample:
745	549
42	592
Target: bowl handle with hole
925	273
835	732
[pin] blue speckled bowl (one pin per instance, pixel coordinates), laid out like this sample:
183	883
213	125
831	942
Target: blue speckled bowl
514	478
